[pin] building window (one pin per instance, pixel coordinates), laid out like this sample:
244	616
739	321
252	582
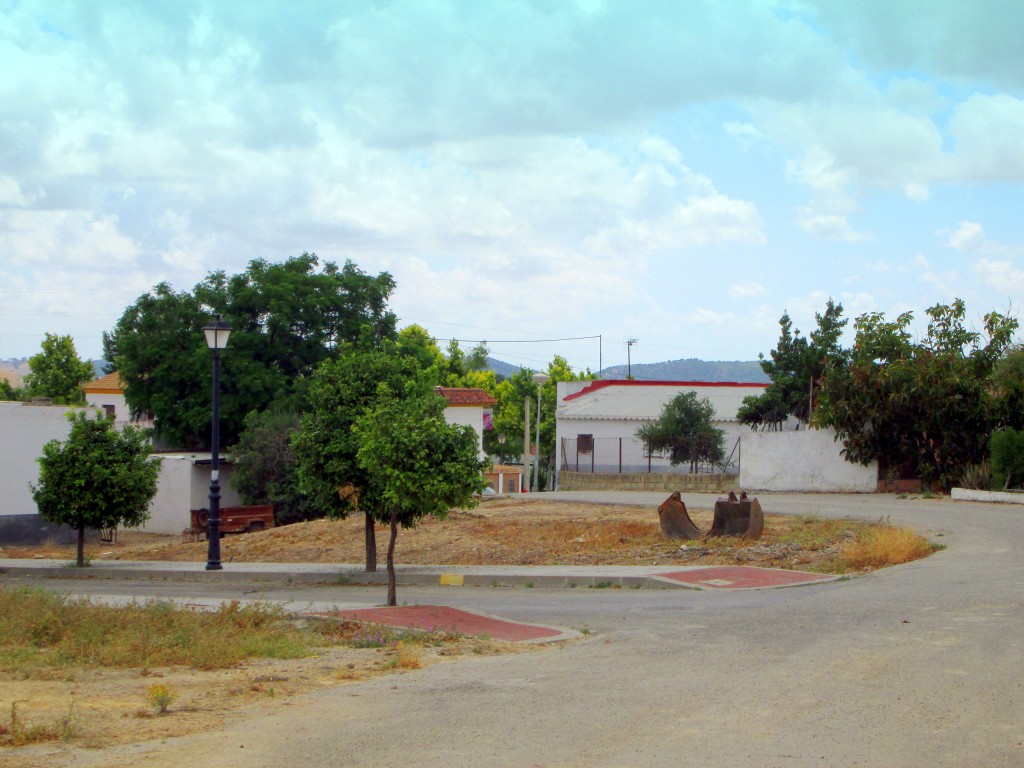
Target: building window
585	443
109	410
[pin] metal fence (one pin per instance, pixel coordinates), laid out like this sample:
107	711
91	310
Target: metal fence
626	455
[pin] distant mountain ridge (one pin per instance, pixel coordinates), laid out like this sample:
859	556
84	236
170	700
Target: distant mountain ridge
692	369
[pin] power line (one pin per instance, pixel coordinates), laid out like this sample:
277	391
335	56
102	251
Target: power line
520	341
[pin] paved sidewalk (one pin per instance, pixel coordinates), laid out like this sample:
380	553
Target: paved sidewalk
636	577
427	617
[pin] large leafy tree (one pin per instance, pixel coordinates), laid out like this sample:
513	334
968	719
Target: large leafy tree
920	408
58	372
265	465
340	392
414	462
100	477
795	368
286	319
685	430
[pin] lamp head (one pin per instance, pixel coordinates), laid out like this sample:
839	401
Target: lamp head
217	332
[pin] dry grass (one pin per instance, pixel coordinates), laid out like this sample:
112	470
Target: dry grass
408	655
49	656
17	732
882	545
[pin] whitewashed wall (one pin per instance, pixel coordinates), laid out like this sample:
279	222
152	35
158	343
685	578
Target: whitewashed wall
468	416
606	429
183	486
808	460
24	430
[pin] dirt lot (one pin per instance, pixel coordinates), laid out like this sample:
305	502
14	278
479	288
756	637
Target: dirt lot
105	707
110	706
497	532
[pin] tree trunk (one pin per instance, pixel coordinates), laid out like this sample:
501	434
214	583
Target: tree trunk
371	544
81	546
392	598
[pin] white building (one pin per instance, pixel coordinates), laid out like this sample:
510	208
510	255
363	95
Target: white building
596	421
107	394
24	429
469	407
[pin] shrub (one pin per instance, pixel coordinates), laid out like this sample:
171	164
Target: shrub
885	545
1007	448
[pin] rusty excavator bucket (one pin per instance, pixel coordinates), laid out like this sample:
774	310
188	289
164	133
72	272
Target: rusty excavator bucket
733	517
737	517
675	521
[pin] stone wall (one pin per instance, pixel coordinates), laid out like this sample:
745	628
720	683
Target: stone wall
704	483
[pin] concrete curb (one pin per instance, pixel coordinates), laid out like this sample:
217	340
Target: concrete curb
352	575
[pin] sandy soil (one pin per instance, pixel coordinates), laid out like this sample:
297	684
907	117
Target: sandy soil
107	707
497	532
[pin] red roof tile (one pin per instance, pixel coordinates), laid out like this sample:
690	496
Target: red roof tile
465	396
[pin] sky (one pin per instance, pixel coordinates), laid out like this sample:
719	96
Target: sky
674	173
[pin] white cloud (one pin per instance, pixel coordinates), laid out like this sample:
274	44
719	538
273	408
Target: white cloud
831	226
1001	275
968	236
987	130
75	239
746	290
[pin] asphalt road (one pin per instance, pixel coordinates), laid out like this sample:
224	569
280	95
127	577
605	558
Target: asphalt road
918	665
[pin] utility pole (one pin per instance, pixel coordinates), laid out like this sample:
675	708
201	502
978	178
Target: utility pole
527	461
629	358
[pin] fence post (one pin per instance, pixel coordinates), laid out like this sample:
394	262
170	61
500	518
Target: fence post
620	455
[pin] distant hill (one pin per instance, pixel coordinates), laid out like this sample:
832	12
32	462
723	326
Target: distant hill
692	369
501	368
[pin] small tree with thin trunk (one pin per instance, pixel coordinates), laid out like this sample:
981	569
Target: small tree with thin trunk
415	463
686	432
98	478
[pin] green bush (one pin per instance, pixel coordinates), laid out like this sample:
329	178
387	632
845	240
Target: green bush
1007	447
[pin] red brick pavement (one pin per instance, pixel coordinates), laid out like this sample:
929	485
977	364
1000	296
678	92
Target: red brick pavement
744	577
440	617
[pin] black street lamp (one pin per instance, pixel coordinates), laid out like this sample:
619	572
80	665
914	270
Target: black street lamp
217	332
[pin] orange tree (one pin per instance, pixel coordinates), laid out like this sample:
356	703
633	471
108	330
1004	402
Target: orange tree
100	477
415	463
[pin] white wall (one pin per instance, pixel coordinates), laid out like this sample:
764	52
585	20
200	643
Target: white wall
808	460
469	416
603	429
24	430
183	486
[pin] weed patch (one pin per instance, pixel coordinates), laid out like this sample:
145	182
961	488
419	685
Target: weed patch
882	544
18	732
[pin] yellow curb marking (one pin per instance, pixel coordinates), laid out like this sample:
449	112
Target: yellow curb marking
451	579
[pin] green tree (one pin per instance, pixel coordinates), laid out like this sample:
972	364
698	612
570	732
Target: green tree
58	372
795	369
414	462
286	319
686	431
920	408
7	392
1007	389
414	341
340	391
265	465
98	478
